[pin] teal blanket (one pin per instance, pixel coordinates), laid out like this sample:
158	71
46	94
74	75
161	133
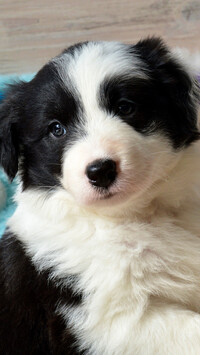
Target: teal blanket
7	190
7	206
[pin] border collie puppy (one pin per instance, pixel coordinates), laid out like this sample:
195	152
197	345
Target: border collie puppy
102	256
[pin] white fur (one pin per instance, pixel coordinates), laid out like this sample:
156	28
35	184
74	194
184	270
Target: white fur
137	254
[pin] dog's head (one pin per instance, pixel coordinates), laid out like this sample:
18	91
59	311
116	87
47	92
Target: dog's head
104	121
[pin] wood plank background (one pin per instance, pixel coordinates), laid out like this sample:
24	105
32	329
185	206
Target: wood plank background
32	31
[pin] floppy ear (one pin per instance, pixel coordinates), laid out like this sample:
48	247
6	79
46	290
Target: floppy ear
175	80
9	140
166	67
161	62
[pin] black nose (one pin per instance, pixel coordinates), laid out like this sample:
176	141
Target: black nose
102	173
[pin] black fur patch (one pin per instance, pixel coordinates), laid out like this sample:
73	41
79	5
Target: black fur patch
28	300
25	118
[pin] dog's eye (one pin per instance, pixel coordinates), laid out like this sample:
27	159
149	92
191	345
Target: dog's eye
126	107
57	129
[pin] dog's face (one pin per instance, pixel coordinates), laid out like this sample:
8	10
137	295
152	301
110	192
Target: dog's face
104	121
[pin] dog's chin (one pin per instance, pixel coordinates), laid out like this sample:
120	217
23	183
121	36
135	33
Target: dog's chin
114	196
101	199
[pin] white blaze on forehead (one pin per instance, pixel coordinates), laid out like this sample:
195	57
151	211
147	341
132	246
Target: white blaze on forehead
91	63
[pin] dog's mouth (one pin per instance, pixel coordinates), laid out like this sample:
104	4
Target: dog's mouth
106	196
99	194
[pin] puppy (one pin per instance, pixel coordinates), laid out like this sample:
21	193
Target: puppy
102	256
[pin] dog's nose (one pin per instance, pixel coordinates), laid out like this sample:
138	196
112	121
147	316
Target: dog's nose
102	173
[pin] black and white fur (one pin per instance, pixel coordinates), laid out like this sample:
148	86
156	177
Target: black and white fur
109	267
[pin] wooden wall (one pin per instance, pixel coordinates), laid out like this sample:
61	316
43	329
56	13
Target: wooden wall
32	31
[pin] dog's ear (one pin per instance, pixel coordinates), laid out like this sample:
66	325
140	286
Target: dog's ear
174	80
10	115
162	64
152	50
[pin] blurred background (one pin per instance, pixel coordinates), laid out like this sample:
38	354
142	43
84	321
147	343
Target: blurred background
33	31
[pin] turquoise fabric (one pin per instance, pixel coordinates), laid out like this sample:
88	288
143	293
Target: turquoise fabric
8	79
8	208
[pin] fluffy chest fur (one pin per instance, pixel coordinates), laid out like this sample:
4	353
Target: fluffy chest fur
124	269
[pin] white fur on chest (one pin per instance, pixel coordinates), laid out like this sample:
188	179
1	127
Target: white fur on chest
125	269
